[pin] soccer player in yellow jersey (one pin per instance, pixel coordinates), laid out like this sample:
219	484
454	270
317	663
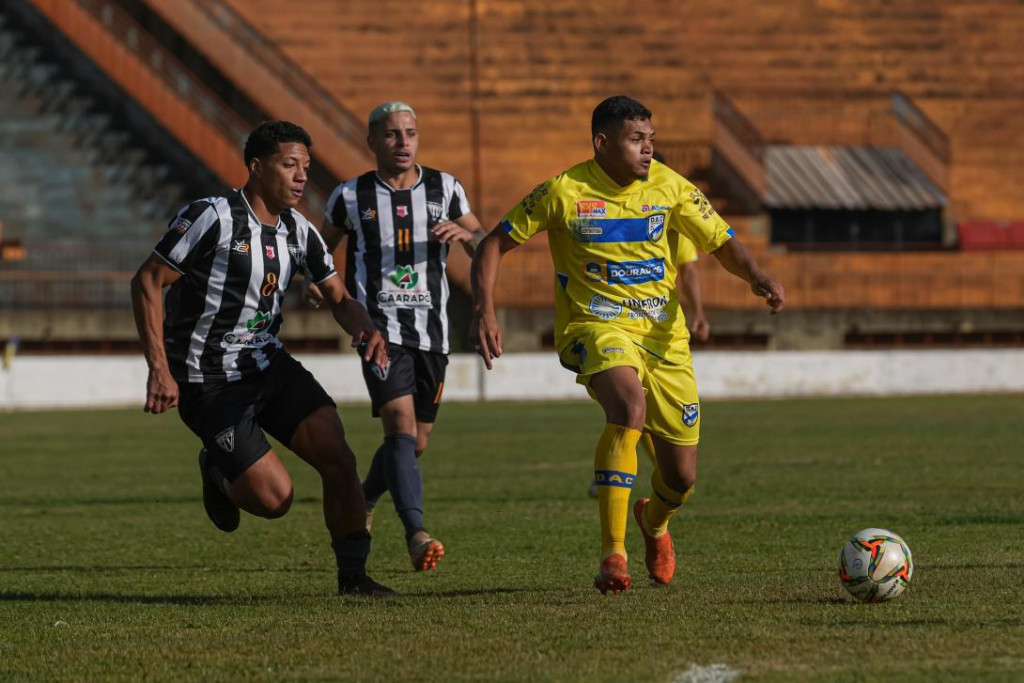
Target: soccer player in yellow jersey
613	227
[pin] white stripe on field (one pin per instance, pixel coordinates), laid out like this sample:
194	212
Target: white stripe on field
715	673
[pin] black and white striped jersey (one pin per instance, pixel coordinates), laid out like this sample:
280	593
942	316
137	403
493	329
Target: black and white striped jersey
222	316
394	265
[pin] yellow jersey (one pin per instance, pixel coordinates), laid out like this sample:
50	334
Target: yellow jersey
615	250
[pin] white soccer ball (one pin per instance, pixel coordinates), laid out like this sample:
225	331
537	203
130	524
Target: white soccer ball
875	565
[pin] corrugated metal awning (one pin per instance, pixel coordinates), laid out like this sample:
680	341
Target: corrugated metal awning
847	178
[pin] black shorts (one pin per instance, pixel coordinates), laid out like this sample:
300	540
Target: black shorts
409	371
229	416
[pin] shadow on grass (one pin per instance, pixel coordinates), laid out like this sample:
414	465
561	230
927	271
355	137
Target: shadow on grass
125	500
123	598
789	601
467	592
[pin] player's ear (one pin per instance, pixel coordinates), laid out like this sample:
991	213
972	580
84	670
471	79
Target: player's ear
600	142
254	167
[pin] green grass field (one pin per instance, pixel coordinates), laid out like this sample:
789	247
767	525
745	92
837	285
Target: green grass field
109	568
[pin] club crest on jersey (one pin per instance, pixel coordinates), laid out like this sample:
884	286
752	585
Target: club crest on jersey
181	225
691	411
655	226
269	250
435	210
401	210
368	215
591	208
226	440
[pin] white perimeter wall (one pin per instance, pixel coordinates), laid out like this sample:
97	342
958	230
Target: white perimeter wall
86	381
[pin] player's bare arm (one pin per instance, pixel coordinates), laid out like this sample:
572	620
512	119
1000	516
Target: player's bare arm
148	306
737	259
354	319
699	326
465	229
336	240
484	330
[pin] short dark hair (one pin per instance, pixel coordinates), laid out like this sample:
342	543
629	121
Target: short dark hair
265	138
614	111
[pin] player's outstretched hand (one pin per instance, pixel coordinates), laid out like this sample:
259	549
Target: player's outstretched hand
161	392
452	232
372	346
772	292
485	335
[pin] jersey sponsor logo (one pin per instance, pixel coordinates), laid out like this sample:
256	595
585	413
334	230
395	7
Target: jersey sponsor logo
655	226
240	246
258	322
691	411
594	271
269	249
181	225
659	207
613	349
226	440
405	277
398	298
652	308
636	272
591	208
401	210
604	308
435	210
368	215
254	340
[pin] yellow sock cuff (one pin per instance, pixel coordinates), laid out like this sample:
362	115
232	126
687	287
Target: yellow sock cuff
669	497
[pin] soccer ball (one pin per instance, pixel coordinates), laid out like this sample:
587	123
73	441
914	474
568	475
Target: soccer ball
875	565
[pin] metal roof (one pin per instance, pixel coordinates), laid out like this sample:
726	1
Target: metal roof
847	178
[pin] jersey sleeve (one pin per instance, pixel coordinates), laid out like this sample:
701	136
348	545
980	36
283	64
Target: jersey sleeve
532	215
319	264
336	213
458	204
696	219
190	234
685	251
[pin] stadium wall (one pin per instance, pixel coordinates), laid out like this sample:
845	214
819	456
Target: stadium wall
91	381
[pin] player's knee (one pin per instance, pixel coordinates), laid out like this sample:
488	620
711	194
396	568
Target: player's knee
280	506
274	503
634	413
680	479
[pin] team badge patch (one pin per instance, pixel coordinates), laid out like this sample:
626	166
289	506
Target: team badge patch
270	251
382	375
691	411
655	226
226	440
401	210
181	225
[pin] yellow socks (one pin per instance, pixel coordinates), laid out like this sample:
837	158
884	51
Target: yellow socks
663	505
615	474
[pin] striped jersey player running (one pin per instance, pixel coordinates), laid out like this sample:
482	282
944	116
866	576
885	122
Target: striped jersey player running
613	226
397	223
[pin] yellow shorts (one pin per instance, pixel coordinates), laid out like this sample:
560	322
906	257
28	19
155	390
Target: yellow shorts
673	409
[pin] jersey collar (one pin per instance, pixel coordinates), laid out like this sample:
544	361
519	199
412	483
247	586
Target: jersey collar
252	214
384	183
610	185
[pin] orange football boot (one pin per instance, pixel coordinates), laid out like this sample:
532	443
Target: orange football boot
660	557
612	575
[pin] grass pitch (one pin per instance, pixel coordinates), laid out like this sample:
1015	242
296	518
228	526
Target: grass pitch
110	570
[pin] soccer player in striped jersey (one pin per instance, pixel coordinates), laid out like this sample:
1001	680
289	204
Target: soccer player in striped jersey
613	224
213	351
397	223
